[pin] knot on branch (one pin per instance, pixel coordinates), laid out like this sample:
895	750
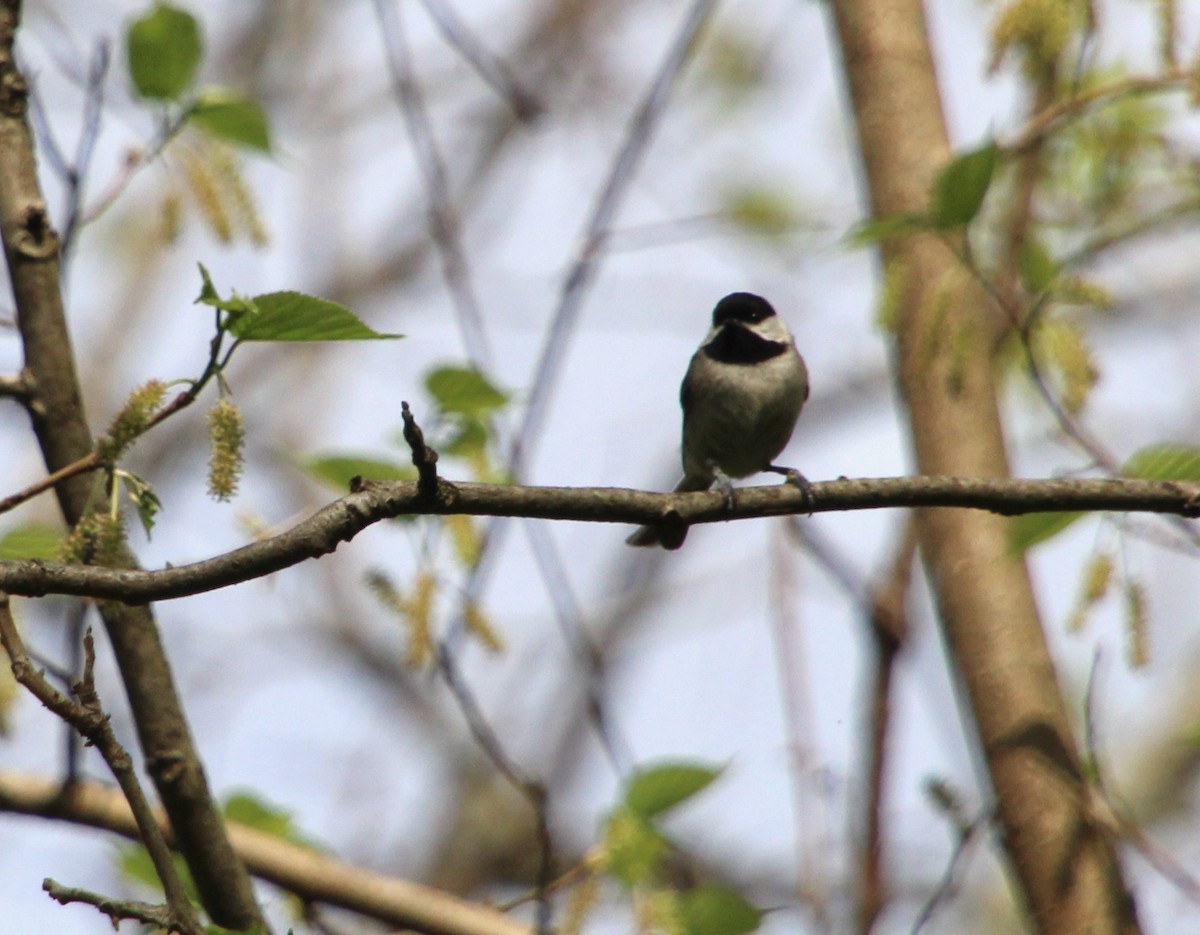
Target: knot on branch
36	238
424	458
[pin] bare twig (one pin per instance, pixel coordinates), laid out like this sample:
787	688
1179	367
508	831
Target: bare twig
1047	120
343	519
118	910
968	835
533	790
490	68
84	465
14	388
587	256
424	458
443	219
89	719
1115	813
883	608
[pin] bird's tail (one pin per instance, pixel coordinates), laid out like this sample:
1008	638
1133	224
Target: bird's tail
645	536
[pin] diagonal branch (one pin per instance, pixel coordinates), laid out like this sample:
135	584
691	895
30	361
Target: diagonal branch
314	876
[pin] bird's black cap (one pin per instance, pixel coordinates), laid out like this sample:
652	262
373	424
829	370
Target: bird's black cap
742	306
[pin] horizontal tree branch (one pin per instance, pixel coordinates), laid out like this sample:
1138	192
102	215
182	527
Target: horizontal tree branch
311	875
371	503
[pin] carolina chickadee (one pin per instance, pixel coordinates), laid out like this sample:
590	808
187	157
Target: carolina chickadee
741	396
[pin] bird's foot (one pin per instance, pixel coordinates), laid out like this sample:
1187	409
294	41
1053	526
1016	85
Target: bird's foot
726	487
800	482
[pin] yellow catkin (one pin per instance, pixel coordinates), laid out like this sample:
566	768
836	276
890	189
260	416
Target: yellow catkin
1097	577
170	217
132	420
207	193
1136	620
418	618
97	539
236	194
227	438
464	535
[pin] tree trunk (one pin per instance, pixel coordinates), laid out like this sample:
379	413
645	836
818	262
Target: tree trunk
1064	860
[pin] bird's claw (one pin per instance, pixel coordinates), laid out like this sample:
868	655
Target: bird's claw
800	482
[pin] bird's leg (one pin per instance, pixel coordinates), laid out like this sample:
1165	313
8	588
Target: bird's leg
799	481
726	485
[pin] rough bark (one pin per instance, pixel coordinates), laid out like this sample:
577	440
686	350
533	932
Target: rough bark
1064	860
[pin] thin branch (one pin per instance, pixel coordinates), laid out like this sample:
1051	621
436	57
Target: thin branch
1047	120
443	219
587	256
312	875
883	609
489	67
85	465
75	175
1114	813
531	789
118	910
343	519
15	388
968	835
89	719
135	161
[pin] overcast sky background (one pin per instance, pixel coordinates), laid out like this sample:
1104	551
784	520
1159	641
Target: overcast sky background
277	701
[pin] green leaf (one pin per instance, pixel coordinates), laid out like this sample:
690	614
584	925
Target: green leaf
248	808
144	499
336	471
229	116
878	230
294	316
959	189
163	49
464	390
1038	267
236	305
1029	529
135	864
633	848
767	212
1166	461
469	441
714	909
656	789
31	541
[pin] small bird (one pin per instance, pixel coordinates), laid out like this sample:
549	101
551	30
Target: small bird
741	396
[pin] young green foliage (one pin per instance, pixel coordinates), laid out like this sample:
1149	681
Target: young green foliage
285	316
634	850
163	49
961	186
33	540
229	116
